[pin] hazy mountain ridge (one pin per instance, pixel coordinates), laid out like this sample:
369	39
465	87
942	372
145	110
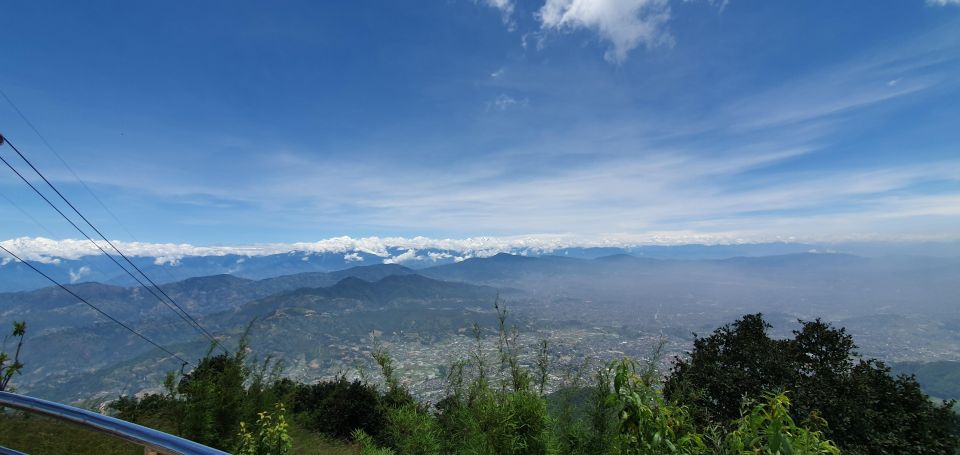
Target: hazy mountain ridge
49	308
66	351
314	319
72	268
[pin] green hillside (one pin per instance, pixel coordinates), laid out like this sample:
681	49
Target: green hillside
939	379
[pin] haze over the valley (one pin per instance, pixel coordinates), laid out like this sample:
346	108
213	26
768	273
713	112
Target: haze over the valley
339	176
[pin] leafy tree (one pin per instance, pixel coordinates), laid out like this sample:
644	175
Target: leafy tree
10	367
212	399
736	361
867	409
895	416
768	429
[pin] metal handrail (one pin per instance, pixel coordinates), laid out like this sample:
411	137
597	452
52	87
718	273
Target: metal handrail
152	440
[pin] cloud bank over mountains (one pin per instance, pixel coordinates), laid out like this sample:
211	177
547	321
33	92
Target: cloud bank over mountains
47	250
396	250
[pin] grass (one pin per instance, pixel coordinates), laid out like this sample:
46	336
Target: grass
306	442
38	435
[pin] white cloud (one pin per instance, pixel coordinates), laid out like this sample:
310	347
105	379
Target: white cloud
76	276
409	255
46	250
943	2
626	24
498	73
717	231
168	260
435	256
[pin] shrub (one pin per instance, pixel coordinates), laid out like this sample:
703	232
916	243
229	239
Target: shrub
648	423
767	428
268	437
337	408
12	366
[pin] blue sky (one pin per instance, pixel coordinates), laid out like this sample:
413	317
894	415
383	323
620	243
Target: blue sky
689	121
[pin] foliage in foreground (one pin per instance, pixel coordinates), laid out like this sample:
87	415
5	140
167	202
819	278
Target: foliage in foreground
768	428
738	392
12	366
501	408
269	435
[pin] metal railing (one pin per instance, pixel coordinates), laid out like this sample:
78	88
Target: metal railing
152	441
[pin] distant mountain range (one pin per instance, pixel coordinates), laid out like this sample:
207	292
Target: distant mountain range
863	285
15	276
67	338
311	315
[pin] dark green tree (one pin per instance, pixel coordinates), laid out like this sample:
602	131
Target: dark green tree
736	361
866	409
337	408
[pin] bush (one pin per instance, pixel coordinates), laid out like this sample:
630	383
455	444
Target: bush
269	435
208	404
768	428
337	408
648	423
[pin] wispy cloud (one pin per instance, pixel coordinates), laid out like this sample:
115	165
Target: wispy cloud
506	8
503	102
708	177
670	153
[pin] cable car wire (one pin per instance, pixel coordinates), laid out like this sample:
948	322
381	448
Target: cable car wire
104	313
185	316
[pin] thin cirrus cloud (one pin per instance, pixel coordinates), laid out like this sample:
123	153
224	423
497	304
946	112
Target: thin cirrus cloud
694	146
681	187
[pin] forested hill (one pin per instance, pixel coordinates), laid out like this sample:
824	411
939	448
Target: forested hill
940	379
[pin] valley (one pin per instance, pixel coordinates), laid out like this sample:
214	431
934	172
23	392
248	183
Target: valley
322	324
